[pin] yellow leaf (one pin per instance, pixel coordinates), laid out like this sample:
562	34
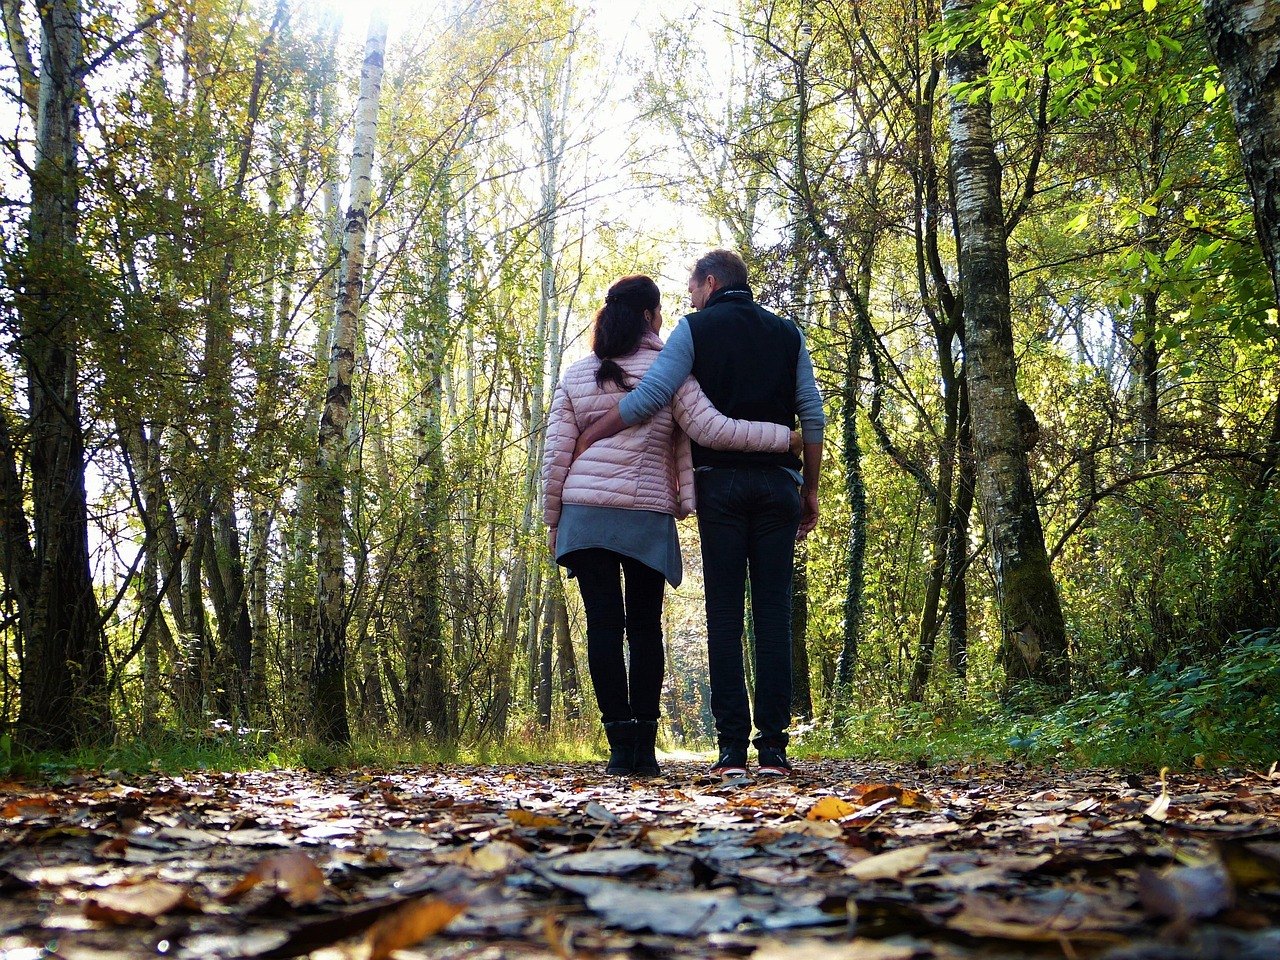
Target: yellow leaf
830	808
494	857
411	924
527	818
915	800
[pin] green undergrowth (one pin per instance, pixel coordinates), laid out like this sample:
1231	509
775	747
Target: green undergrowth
1225	714
220	749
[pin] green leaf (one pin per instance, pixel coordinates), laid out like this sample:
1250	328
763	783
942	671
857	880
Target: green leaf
1148	5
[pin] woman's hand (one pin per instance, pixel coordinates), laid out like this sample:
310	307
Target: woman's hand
797	443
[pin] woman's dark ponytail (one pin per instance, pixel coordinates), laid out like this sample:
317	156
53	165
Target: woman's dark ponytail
620	326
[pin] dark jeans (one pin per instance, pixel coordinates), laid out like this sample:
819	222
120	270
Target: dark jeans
611	615
747	518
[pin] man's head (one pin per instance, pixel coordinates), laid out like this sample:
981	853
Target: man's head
716	270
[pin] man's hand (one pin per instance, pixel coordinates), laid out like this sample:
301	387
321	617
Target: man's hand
808	512
809	489
603	428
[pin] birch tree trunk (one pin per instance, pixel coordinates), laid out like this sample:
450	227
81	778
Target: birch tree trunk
1245	39
328	675
63	676
1034	642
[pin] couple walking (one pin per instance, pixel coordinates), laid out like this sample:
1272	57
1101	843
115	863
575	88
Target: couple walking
620	467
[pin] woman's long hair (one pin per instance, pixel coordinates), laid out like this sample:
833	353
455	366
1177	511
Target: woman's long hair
620	325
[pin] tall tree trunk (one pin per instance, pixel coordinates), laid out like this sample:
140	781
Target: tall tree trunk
428	676
942	508
856	549
566	658
63	697
1034	639
958	550
546	645
801	691
328	675
1245	38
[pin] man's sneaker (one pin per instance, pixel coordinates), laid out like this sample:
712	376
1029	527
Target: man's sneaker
732	762
773	762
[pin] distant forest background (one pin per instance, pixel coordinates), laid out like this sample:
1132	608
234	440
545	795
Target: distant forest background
282	309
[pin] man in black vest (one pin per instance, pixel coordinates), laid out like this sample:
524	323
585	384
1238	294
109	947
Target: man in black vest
752	507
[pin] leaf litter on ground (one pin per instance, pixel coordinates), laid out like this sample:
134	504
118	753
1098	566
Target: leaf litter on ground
845	860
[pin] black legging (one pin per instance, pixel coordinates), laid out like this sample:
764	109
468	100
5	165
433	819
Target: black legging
601	575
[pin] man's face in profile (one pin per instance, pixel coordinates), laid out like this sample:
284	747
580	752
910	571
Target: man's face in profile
699	291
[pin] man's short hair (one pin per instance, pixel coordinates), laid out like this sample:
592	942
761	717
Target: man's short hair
726	266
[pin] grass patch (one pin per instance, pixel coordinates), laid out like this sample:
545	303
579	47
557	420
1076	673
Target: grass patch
1222	715
220	748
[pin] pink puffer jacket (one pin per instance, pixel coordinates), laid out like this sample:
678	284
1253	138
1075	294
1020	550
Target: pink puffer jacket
644	467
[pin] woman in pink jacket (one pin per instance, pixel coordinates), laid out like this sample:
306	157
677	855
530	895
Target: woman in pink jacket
611	513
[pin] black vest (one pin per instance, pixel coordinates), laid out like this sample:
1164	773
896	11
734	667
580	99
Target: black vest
745	359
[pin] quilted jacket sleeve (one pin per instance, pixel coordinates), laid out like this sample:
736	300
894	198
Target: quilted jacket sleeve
687	500
557	456
706	425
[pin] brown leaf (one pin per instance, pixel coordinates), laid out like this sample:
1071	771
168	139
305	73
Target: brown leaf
411	924
897	793
496	856
892	865
29	808
294	874
140	901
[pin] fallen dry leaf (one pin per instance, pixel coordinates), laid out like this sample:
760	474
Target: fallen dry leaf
859	949
29	808
892	865
131	903
527	818
411	924
876	793
294	875
830	808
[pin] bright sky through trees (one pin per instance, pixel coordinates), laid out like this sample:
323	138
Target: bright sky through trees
623	32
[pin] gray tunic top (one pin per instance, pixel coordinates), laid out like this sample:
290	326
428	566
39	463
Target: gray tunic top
644	535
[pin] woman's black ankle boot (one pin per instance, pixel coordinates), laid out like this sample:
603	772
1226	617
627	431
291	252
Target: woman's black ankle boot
622	747
646	759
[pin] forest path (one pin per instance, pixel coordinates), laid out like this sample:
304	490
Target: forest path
846	860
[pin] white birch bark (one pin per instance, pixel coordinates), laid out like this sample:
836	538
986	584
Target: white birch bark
1034	642
328	676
